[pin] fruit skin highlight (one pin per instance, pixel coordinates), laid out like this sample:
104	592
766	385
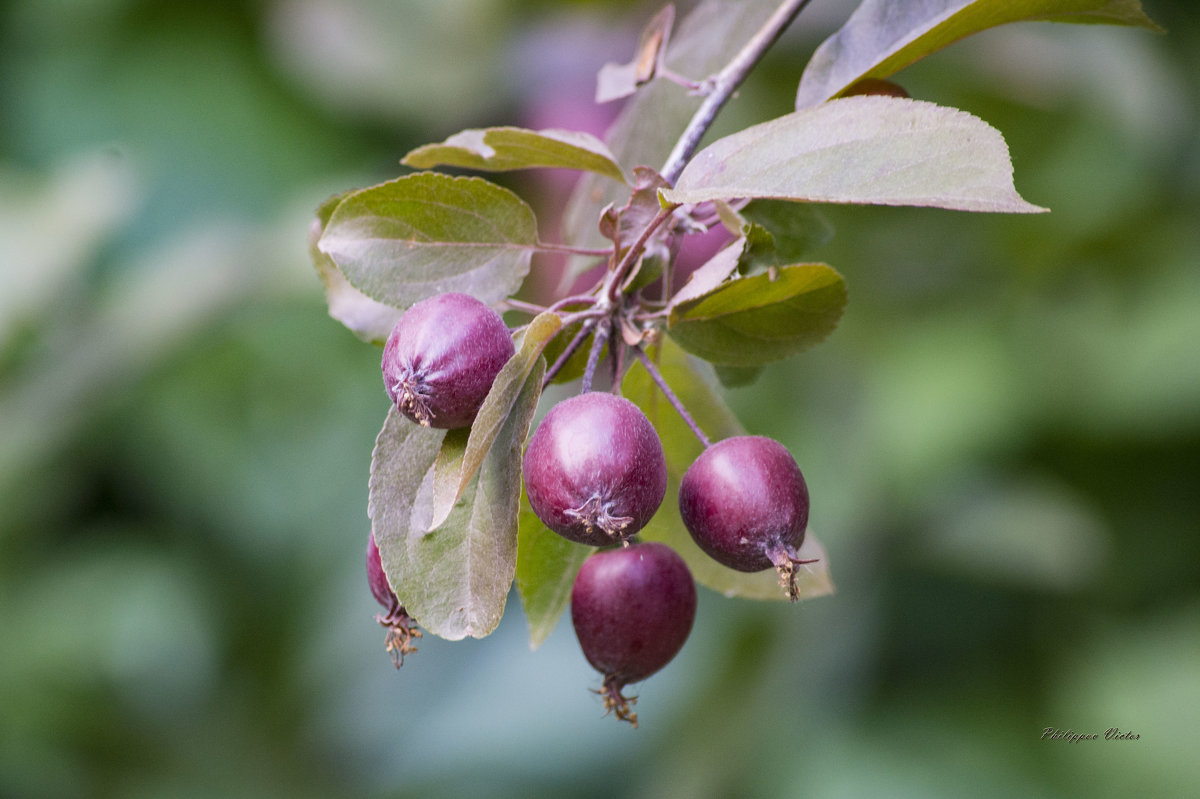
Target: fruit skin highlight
594	469
442	357
632	608
745	502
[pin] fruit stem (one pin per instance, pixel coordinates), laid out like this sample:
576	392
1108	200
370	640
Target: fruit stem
657	377
566	354
602	331
725	82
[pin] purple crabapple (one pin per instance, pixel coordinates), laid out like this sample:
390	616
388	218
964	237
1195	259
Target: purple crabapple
594	469
632	608
401	628
745	503
441	359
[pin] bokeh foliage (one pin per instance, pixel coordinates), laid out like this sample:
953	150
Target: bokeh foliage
1001	438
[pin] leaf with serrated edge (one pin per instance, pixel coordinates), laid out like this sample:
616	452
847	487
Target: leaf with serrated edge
882	37
864	150
681	448
454	580
450	481
371	321
425	234
546	567
505	149
755	320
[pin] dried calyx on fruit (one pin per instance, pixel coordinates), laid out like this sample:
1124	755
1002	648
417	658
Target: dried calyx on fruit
632	608
594	469
441	359
745	503
401	628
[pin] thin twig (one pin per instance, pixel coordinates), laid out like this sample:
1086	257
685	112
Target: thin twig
566	354
602	330
608	295
572	250
657	377
724	84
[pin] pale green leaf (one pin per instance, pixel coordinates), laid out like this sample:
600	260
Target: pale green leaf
455	580
425	234
755	320
884	36
461	465
371	321
506	149
546	567
865	150
681	447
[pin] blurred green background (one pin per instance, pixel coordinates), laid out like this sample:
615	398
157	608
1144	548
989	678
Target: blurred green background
1002	439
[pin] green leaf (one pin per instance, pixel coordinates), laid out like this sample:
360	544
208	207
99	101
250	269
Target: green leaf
454	580
755	320
471	446
797	229
546	567
867	150
506	149
882	36
650	121
404	452
681	447
371	321
737	376
425	234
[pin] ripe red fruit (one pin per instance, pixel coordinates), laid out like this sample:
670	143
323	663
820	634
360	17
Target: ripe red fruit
594	469
632	608
745	503
441	359
400	626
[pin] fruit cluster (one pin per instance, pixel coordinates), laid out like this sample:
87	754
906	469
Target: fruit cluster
595	473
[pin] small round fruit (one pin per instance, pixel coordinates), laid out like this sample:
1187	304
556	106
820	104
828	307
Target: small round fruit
441	359
745	503
632	608
401	629
594	469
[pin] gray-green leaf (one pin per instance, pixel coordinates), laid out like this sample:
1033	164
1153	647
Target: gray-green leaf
425	234
883	36
865	150
546	567
371	321
755	320
505	149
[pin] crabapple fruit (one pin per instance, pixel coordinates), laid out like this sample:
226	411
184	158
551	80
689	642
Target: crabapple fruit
401	629
441	359
594	469
632	608
745	503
